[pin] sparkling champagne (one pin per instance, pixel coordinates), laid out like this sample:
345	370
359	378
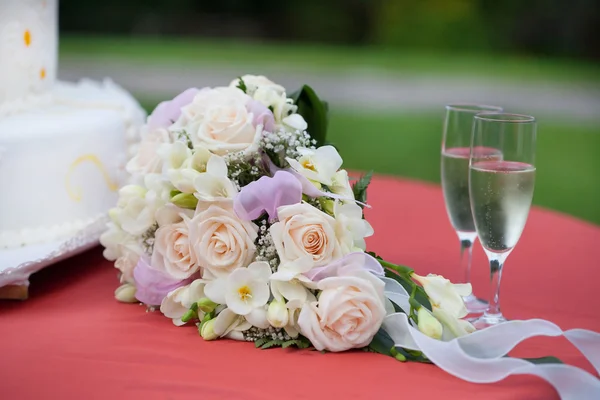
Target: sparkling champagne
455	183
501	194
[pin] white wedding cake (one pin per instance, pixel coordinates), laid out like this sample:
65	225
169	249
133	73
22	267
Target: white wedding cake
63	146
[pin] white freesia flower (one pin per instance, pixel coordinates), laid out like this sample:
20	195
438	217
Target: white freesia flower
254	82
340	185
428	324
348	313
133	214
159	192
172	252
303	231
147	158
220	241
179	301
245	291
453	326
278	314
118	243
228	322
295	122
214	183
444	294
126	263
351	228
289	282
277	101
218	120
318	165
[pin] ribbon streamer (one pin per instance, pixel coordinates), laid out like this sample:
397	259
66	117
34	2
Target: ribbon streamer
480	356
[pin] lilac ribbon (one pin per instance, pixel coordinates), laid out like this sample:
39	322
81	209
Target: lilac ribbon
267	194
350	262
152	286
167	112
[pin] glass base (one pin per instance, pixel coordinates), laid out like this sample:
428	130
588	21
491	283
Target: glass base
475	305
487	320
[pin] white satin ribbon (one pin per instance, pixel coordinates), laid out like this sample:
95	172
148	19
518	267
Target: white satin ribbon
479	356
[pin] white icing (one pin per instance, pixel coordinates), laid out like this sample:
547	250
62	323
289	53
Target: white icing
43	234
28	51
86	124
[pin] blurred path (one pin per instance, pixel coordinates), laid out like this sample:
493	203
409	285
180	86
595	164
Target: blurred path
352	89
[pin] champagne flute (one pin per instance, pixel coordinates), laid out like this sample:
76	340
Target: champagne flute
501	192
456	144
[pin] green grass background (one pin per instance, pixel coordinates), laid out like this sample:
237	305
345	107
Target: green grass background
402	143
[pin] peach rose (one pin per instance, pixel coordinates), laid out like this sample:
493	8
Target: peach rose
147	159
305	232
172	254
348	313
220	241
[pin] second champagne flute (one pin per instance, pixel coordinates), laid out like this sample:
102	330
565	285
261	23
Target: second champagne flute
456	145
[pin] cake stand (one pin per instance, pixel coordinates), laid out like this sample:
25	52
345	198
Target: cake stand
17	264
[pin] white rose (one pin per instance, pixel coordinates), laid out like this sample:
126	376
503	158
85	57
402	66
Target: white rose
305	232
220	241
318	165
218	120
348	313
179	301
147	159
172	254
133	213
351	228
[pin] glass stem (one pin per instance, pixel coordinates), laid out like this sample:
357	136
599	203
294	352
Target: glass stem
496	264
466	255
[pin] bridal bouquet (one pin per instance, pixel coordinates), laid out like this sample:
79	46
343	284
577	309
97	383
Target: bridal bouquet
241	220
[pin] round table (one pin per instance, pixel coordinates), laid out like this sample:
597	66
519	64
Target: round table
71	339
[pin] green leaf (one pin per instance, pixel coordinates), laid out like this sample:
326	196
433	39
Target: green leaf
381	343
242	85
314	111
360	187
544	360
261	341
420	296
272	343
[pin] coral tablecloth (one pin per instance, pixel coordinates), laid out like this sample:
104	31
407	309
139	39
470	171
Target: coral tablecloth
72	340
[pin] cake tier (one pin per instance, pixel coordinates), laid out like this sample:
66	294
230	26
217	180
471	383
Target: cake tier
28	52
59	169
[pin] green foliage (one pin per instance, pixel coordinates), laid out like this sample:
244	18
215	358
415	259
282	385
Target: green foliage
266	343
242	85
360	187
314	111
544	360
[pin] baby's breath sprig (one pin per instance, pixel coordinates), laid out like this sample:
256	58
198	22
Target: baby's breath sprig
281	144
148	239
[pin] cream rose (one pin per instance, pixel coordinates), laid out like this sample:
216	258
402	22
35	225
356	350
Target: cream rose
218	120
147	159
172	254
348	313
220	241
305	232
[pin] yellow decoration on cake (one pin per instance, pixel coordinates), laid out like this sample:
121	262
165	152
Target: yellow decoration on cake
75	193
43	73
27	37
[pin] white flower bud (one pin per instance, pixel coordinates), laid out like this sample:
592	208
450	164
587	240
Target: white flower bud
277	314
126	293
207	331
428	324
